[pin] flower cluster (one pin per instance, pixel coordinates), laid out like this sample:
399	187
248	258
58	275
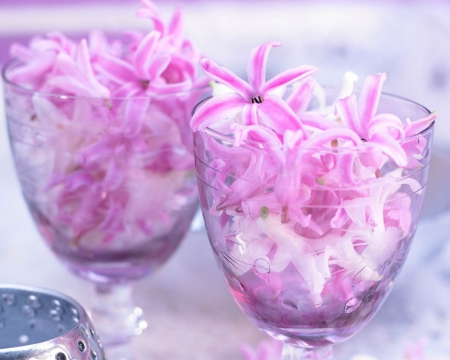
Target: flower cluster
301	186
112	120
157	63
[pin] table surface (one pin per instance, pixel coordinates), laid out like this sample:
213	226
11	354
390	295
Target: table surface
190	312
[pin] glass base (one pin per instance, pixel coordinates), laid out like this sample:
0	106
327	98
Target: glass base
114	314
295	353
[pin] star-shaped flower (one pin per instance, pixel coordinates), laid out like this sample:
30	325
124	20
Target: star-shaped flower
257	100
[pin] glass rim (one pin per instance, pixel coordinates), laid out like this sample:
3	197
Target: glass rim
14	62
229	137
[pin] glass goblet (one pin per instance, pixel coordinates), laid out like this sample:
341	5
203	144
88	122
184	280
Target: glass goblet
310	246
110	184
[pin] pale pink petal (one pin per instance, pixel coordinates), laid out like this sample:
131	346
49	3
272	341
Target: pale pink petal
385	123
319	139
287	77
129	89
83	60
369	98
157	65
33	71
117	70
316	121
176	25
215	110
301	96
21	52
114	176
144	54
260	135
158	88
347	110
98	43
150	11
390	147
227	78
277	115
135	112
256	67
416	127
249	114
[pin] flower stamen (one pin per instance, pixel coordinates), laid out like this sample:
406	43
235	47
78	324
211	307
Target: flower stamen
257	100
285	214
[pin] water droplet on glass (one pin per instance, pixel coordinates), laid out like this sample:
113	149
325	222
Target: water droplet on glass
2	325
34	302
75	320
262	265
23	339
54	315
60	356
351	305
81	345
74	311
28	311
9	299
289	304
94	355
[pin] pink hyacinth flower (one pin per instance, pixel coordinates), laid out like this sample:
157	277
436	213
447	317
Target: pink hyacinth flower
256	99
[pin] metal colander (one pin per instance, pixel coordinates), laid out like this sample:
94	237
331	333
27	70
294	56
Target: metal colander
41	324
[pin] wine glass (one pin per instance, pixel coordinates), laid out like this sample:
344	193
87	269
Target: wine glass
110	184
310	246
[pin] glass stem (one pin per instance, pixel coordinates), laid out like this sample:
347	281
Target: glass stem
291	352
114	314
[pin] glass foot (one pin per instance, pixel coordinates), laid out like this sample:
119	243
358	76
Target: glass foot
295	353
114	314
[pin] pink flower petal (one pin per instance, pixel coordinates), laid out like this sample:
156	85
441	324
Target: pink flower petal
385	123
150	11
176	25
144	53
226	77
317	140
83	60
256	68
250	115
347	110
369	98
287	77
300	98
390	147
156	66
277	115
215	110
420	125
117	70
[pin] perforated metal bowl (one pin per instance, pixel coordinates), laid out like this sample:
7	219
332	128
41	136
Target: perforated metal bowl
41	324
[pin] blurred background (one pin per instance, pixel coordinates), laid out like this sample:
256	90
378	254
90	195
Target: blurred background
409	40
